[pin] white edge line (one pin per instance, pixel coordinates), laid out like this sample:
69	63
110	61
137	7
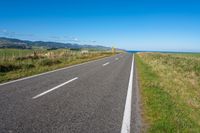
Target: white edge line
13	81
106	63
43	93
126	123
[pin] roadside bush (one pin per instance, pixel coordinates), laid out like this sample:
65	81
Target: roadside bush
49	62
8	67
27	57
28	66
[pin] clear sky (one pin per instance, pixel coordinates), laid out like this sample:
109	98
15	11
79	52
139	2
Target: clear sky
131	25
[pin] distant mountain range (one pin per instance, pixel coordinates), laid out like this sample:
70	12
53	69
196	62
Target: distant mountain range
24	44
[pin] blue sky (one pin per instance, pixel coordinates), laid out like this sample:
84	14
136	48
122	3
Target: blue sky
132	25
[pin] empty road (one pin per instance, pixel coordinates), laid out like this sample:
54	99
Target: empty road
94	97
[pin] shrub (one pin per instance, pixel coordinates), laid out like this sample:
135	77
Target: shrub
8	67
49	62
28	66
27	57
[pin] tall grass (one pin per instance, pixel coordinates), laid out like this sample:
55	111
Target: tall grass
15	63
170	86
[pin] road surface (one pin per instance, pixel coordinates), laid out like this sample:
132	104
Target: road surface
95	97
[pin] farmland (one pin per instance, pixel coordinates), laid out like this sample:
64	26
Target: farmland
17	63
170	86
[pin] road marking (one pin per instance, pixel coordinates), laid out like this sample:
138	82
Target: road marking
116	58
127	111
21	79
106	63
54	88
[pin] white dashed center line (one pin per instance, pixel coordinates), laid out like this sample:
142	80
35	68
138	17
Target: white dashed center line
106	63
54	88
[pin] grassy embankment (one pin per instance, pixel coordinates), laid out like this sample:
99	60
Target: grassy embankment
15	63
170	91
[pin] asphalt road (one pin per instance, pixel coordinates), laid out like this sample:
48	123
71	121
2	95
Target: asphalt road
88	98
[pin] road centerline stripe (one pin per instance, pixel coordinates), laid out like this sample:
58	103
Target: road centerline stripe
126	123
106	63
54	88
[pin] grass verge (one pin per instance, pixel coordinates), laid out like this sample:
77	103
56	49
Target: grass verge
166	93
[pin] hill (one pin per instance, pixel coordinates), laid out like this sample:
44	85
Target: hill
24	44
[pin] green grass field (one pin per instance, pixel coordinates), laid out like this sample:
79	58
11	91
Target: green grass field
16	63
6	54
170	91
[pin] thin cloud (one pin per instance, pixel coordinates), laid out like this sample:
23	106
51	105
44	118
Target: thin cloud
7	33
64	39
